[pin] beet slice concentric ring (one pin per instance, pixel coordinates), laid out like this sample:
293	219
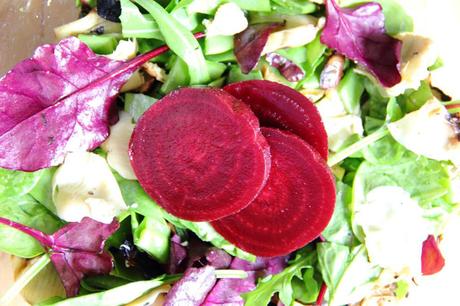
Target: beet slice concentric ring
295	205
200	154
280	106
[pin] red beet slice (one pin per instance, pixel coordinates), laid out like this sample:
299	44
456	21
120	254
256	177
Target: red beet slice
280	106
293	208
200	154
432	259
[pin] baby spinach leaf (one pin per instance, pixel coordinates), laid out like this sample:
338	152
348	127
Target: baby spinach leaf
17	183
137	104
426	180
27	211
180	40
43	191
339	228
348	274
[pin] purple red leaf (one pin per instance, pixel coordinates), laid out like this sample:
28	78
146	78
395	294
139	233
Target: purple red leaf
192	288
59	101
287	68
359	34
250	44
228	291
76	250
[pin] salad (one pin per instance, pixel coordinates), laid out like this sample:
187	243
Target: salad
210	152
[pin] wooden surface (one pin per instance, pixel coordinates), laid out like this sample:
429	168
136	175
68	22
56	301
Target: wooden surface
26	24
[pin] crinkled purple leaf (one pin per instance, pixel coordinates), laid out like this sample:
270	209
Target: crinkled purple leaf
76	250
359	34
287	68
218	258
177	255
59	101
250	44
228	291
197	254
192	288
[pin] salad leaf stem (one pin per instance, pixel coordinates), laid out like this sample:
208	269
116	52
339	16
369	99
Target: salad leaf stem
357	146
24	279
38	235
322	293
231	274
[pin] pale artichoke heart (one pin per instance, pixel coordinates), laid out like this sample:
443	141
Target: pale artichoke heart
125	50
394	229
229	20
428	132
339	124
296	33
116	146
86	25
418	53
84	186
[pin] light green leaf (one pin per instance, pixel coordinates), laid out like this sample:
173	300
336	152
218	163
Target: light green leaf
235	75
306	290
281	282
42	191
339	228
17	183
350	90
178	76
180	40
348	274
254	5
136	25
218	44
426	180
100	44
137	104
114	297
152	236
293	7
25	210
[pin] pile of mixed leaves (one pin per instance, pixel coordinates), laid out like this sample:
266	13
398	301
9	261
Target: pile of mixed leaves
69	195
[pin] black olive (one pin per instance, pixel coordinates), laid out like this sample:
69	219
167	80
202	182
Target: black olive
109	9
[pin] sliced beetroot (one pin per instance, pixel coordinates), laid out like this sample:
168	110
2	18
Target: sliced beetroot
280	106
293	208
200	154
432	259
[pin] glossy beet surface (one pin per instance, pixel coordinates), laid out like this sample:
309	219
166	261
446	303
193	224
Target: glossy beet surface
200	154
280	106
293	208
